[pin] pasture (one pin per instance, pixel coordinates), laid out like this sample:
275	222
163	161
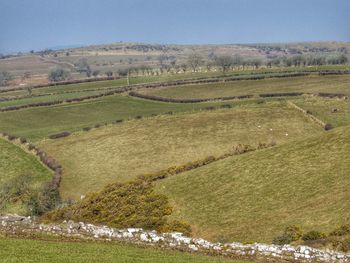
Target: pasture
333	111
311	84
253	197
123	151
38	123
27	250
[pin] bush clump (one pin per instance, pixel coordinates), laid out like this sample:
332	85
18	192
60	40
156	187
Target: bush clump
328	126
290	234
313	235
59	135
121	205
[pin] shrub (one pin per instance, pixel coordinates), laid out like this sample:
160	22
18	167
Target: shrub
86	129
11	137
120	205
43	200
290	234
328	126
58	74
283	239
59	135
313	235
176	226
22	140
119	121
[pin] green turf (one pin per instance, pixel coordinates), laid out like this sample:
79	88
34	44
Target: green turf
37	123
47	98
312	84
253	197
124	151
101	85
25	250
323	108
14	161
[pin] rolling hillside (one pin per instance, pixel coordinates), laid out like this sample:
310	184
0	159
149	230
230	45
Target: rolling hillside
253	197
124	151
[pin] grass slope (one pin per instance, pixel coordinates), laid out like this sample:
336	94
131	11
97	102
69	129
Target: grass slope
14	162
22	250
122	152
323	109
37	123
313	84
253	197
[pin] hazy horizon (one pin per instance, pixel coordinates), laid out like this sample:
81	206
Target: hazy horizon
27	25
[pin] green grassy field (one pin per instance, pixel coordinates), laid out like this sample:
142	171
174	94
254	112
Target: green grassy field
25	250
15	162
47	98
323	108
38	123
101	85
313	84
124	151
253	197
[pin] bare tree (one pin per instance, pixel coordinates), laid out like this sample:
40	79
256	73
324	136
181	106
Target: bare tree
224	62
194	61
183	67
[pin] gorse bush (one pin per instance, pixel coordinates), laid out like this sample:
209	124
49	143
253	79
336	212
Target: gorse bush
290	234
122	205
313	235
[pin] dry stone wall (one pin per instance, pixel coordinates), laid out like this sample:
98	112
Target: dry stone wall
13	224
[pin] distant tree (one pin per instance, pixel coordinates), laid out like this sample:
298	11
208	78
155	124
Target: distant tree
95	73
109	73
237	60
183	67
29	90
162	60
256	62
194	61
5	77
67	54
82	65
26	75
224	62
59	74
32	51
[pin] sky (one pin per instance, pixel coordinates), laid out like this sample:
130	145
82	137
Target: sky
38	24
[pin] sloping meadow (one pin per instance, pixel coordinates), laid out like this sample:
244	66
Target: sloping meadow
124	151
253	197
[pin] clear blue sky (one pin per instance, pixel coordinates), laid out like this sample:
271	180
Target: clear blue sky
39	24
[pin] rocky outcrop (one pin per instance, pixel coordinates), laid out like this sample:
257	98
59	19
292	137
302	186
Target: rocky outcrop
14	224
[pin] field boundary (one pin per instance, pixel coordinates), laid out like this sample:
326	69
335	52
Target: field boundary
15	225
121	89
175	170
45	159
309	115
